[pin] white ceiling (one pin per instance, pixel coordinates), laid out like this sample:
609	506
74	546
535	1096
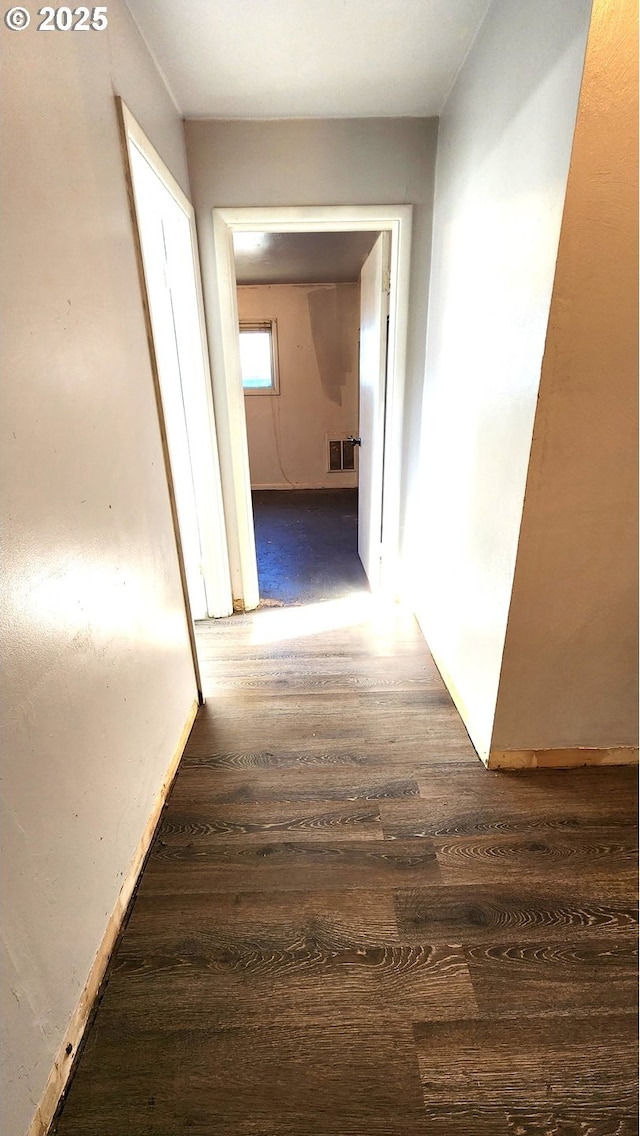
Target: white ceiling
300	258
309	58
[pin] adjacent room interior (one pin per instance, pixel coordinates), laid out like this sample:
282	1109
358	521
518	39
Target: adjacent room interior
299	317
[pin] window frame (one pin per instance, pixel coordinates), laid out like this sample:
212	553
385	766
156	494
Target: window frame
270	326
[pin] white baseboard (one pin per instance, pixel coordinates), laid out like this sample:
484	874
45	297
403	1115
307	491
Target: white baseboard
304	485
69	1046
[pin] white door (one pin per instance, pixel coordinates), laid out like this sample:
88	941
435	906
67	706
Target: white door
374	309
170	271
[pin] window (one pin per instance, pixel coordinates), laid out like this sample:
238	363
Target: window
258	356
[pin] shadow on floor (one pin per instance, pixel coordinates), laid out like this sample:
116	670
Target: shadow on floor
307	545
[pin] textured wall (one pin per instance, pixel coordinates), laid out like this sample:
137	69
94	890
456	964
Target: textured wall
98	678
569	675
503	156
318	328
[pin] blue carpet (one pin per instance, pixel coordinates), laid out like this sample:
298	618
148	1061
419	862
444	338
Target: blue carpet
307	544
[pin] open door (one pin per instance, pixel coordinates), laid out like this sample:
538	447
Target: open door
374	310
166	232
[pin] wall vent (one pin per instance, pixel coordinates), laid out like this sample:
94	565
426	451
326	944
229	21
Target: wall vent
341	455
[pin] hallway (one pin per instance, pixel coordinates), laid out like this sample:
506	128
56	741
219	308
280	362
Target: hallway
348	927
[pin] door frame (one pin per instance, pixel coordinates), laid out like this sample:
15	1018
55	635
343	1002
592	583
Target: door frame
227	380
372	372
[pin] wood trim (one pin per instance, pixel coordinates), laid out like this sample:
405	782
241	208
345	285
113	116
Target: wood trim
561	758
230	408
230	411
203	446
70	1044
313	218
122	121
287	487
134	131
398	331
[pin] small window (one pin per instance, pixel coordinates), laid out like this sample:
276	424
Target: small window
258	357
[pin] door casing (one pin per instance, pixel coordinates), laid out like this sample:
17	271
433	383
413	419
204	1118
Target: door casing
227	380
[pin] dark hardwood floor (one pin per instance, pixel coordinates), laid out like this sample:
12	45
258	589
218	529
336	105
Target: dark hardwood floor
348	927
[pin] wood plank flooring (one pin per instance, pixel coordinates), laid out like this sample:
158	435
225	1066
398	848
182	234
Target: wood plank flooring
348	927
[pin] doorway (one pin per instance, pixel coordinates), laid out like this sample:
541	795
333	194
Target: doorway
306	542
299	313
380	542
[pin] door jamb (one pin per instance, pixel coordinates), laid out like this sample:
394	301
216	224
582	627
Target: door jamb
227	381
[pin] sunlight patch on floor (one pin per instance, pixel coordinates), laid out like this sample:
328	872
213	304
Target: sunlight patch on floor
356	609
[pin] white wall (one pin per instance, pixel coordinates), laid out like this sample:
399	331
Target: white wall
503	155
317	330
98	678
322	162
570	670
